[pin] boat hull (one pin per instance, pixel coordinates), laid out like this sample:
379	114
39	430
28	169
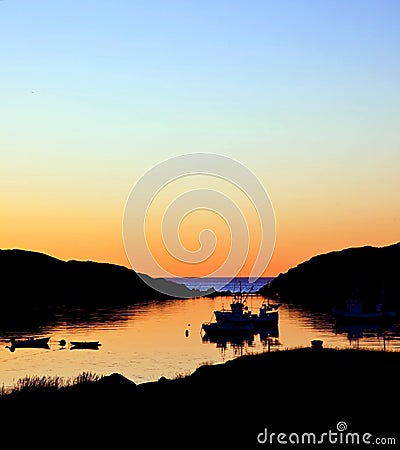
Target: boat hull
221	328
363	317
255	320
30	343
85	345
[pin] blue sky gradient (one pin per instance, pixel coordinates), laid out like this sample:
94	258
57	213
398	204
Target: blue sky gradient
305	93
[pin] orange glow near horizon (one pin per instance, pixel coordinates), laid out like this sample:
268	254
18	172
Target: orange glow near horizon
190	236
86	230
98	238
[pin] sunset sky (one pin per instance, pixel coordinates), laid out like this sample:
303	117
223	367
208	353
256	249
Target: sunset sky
305	94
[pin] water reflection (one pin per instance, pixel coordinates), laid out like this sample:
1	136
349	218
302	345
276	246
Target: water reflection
38	322
241	343
152	339
356	332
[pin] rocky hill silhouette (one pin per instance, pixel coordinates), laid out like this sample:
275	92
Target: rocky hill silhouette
35	280
327	280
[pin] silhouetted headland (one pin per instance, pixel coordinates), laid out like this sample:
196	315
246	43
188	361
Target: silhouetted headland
327	280
33	279
220	406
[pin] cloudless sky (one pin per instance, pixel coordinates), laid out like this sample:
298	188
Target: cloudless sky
93	94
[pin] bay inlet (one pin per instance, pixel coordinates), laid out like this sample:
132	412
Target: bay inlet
148	340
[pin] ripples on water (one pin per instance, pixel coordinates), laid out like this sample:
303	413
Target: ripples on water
149	340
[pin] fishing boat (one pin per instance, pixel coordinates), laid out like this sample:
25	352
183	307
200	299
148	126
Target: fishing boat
240	314
85	344
29	342
239	319
355	310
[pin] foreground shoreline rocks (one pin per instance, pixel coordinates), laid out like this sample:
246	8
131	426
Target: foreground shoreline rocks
228	405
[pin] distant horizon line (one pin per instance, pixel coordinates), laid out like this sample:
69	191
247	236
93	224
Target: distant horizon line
221	278
129	267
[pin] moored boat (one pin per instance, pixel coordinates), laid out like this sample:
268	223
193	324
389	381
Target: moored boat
85	344
239	319
239	312
355	310
30	342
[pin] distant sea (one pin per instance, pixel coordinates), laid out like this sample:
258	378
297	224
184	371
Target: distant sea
223	284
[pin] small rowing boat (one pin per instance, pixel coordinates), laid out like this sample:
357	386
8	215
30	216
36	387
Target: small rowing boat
85	344
29	342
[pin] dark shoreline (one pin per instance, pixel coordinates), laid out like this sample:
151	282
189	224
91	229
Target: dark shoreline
226	405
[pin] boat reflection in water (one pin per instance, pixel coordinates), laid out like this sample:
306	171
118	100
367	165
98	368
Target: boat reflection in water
241	341
357	331
29	342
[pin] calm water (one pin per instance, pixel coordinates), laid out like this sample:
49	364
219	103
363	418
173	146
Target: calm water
147	341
